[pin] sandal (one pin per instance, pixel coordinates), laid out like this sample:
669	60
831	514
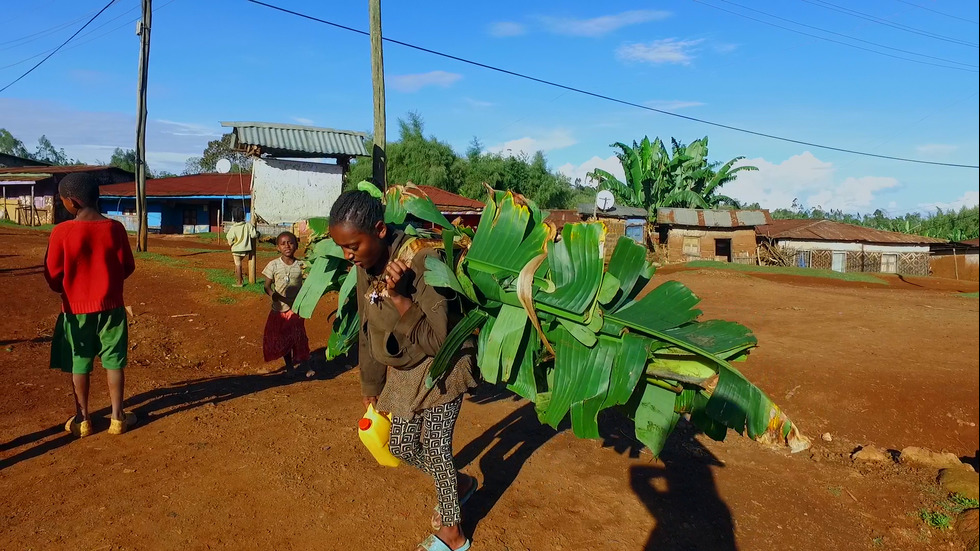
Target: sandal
118	427
437	514
81	429
433	543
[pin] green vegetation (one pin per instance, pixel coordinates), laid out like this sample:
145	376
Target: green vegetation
970	295
657	178
42	227
935	519
427	161
942	514
220	276
562	329
785	270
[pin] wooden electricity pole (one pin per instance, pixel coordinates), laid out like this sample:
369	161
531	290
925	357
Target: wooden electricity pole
144	33
380	159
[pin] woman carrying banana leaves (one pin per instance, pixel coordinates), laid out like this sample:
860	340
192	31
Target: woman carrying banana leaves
403	324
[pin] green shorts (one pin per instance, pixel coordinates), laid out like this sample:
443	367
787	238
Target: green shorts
80	338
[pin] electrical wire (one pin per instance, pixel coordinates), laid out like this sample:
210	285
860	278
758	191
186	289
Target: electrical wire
874	19
849	37
939	12
87	23
610	98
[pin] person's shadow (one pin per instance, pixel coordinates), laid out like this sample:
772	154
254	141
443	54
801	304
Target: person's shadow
505	446
680	493
162	402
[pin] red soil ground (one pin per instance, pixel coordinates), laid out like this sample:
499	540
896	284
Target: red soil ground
230	454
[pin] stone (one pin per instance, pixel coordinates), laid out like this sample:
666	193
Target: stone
960	481
871	453
827	437
967	528
927	458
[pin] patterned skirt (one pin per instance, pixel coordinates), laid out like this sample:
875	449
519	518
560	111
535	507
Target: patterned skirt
285	333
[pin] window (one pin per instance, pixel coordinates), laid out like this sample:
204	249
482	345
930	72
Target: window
889	263
692	246
190	217
803	259
839	262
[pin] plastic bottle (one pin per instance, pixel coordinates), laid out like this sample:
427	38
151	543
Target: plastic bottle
374	430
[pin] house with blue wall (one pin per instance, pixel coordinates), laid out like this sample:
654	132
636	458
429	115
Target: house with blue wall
196	203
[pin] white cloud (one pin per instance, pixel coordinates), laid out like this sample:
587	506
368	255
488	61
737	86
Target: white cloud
502	29
671	104
936	149
725	48
667	50
303	121
610	164
479	104
599	26
91	136
556	139
969	199
809	180
415	82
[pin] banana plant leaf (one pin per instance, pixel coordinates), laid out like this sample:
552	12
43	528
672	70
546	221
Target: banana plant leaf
576	337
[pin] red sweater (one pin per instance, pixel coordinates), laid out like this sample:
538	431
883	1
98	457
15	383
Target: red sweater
87	262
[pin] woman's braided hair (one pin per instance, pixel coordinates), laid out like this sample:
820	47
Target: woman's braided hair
357	208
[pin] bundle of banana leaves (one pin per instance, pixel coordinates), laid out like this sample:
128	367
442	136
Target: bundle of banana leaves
561	329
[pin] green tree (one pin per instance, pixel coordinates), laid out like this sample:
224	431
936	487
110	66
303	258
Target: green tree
48	153
215	150
682	177
12	146
124	159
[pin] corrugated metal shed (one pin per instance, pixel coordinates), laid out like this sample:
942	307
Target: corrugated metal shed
450	203
291	140
716	218
828	230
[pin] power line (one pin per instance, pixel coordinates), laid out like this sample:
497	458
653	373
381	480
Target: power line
87	23
849	37
951	16
38	34
880	21
610	98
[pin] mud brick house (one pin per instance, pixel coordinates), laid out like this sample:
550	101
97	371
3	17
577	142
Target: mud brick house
700	234
454	206
829	245
955	260
30	193
197	203
619	221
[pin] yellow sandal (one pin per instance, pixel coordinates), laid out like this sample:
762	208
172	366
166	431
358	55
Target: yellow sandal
81	429
118	427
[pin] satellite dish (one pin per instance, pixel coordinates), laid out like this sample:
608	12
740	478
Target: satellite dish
604	200
223	166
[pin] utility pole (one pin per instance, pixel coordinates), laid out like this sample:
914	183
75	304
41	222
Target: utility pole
143	30
378	155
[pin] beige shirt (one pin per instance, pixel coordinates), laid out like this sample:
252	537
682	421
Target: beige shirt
286	280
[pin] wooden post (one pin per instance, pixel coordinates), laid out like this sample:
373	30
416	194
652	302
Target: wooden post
32	211
141	167
255	223
956	267
379	157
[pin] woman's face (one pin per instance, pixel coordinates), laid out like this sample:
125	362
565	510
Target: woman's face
367	250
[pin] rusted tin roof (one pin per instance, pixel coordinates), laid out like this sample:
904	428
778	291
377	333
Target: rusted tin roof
68	169
194	185
828	230
293	140
559	217
450	203
713	218
586	209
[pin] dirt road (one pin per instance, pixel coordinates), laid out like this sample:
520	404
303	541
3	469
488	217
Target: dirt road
230	454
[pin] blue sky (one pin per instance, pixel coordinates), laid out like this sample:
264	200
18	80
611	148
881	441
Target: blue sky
233	60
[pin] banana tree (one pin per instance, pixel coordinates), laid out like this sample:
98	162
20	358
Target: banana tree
561	329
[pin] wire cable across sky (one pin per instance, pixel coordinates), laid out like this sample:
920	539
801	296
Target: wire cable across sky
613	99
47	57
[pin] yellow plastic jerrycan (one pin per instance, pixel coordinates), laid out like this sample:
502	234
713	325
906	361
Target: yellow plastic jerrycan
374	430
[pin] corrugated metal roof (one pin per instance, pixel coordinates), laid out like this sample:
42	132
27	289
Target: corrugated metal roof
292	140
68	169
712	218
201	185
828	230
586	209
449	202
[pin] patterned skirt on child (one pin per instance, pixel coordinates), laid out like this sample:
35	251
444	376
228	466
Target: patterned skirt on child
285	333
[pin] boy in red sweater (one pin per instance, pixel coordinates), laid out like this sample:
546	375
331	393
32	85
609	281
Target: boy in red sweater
86	262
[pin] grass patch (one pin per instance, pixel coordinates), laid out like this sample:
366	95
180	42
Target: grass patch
225	300
12	224
785	270
970	295
219	276
935	519
159	258
946	509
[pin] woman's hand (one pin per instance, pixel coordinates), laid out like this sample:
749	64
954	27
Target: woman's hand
370	401
399	277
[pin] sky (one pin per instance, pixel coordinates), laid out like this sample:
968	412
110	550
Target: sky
889	77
